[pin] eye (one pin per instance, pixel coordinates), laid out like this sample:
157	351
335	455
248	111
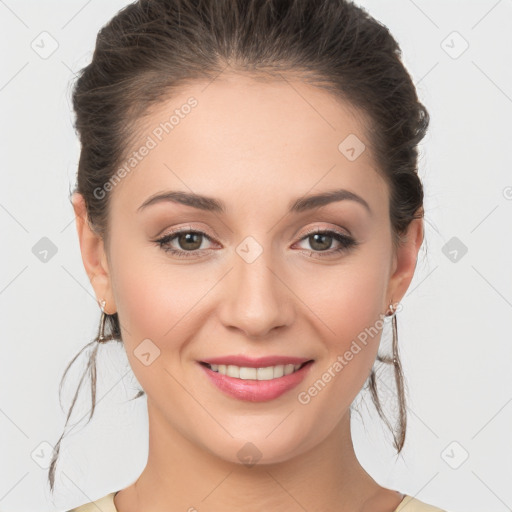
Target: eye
321	241
189	240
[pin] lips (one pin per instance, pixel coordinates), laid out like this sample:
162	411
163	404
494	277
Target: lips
258	362
256	390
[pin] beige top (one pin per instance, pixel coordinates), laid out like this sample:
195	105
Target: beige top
106	504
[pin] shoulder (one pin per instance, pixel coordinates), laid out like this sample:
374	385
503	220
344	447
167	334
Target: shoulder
410	504
105	504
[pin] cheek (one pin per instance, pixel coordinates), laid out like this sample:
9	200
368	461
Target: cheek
348	299
347	302
153	304
153	297
351	311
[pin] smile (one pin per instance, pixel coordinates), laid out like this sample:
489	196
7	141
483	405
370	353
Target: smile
255	384
246	373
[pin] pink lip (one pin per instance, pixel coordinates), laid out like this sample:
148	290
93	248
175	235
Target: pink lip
257	362
256	390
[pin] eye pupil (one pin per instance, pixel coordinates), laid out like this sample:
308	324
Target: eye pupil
189	238
322	246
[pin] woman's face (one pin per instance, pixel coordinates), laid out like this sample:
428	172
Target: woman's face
256	281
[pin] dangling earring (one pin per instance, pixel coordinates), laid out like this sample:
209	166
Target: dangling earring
101	338
398	436
399	379
393	310
101	335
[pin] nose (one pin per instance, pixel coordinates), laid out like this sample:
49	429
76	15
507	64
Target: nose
256	298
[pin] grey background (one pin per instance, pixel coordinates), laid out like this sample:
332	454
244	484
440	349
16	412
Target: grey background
454	330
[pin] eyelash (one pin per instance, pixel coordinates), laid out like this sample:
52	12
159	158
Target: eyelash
346	242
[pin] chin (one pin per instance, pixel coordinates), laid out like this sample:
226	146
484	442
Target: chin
257	449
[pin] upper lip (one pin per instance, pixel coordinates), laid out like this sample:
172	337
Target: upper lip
255	362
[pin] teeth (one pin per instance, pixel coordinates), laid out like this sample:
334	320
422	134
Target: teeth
243	372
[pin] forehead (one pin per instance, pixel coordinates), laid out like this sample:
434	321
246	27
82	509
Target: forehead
277	139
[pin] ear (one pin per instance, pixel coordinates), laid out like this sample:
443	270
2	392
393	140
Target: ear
404	262
93	255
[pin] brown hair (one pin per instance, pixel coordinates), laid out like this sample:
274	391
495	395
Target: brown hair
154	47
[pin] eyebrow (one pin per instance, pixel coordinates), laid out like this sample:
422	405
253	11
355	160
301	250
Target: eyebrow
211	204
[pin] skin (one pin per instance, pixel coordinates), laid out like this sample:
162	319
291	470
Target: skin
256	146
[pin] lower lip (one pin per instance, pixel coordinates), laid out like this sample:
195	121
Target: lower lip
256	390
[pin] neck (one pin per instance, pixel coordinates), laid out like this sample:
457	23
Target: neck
180	475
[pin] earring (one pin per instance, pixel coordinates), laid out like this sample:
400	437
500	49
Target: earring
101	338
399	379
393	308
391	313
399	435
